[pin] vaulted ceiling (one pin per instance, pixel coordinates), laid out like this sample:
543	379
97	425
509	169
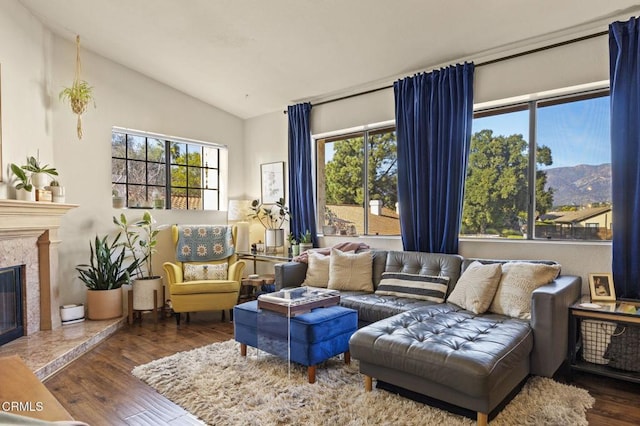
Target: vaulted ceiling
251	57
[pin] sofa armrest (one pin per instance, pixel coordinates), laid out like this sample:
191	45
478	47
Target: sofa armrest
550	323
290	274
235	270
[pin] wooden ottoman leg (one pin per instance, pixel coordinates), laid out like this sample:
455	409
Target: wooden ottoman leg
243	349
483	419
347	357
368	383
311	373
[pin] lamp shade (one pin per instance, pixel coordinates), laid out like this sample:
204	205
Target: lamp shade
238	209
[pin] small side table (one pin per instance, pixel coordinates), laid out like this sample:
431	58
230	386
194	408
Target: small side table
249	286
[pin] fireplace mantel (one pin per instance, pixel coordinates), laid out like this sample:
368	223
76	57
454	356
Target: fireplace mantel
19	219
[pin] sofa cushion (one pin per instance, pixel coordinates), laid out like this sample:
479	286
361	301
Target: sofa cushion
317	270
438	264
413	286
350	271
205	271
518	281
452	347
373	307
476	287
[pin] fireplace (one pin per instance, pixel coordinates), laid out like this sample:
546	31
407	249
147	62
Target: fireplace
29	240
11	319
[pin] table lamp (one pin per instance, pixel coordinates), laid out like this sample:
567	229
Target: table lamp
237	213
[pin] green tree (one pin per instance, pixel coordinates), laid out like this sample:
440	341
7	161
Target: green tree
345	171
496	185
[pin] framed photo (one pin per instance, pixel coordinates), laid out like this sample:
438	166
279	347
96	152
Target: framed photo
272	177
601	287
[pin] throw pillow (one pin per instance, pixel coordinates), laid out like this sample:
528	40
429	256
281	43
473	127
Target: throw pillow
476	287
519	279
423	287
317	270
205	271
349	271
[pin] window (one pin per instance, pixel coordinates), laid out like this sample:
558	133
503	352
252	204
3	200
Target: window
554	151
164	172
357	183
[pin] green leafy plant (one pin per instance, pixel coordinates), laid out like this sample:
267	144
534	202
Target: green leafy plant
291	238
106	269
33	166
306	237
270	216
140	240
25	181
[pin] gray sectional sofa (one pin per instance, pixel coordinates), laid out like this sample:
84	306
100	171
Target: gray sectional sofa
442	351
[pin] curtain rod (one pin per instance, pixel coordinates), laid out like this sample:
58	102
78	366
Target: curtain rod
490	62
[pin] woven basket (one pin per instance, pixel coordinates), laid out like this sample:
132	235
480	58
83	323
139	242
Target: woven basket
596	336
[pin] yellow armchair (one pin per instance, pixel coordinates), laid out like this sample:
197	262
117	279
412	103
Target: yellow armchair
197	294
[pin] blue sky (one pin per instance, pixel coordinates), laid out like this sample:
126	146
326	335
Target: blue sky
576	132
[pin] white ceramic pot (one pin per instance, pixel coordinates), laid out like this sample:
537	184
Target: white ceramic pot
24	195
273	239
143	293
40	180
70	314
305	246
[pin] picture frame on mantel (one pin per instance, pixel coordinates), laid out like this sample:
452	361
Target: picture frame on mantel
272	182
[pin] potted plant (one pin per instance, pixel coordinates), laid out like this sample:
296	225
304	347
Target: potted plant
24	188
57	191
306	242
39	174
294	247
79	94
273	218
104	276
116	200
140	241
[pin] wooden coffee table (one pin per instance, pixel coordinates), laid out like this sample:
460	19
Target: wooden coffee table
249	286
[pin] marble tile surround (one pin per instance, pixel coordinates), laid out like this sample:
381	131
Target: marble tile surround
24	251
47	351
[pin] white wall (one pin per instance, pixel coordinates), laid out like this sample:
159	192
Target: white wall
127	99
35	66
266	141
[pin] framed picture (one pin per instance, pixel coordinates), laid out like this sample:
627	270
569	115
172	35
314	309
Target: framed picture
601	287
272	176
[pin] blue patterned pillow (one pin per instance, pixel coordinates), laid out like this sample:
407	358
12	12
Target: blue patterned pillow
423	287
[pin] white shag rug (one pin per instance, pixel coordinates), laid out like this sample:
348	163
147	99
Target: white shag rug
221	387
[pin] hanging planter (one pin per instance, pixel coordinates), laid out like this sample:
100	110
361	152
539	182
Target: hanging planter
80	94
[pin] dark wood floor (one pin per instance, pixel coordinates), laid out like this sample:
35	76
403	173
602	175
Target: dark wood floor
99	389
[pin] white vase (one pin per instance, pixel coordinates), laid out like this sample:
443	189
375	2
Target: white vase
40	180
143	293
24	195
273	238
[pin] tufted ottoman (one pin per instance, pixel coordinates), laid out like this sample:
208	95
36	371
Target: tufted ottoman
448	354
315	336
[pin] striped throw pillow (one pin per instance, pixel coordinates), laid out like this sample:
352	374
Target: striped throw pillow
423	287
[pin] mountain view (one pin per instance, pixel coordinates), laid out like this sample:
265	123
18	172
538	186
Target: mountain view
580	185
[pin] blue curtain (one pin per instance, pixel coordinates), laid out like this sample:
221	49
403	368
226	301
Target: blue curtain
301	193
624	56
433	123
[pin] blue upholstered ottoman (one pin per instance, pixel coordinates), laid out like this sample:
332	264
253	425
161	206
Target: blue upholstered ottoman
315	336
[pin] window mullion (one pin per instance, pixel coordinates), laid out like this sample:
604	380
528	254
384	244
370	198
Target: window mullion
531	208
366	181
